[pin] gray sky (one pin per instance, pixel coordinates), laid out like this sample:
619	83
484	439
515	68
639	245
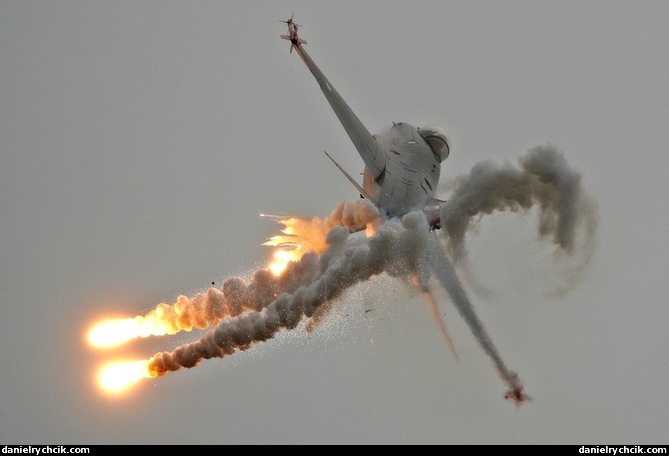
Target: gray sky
140	141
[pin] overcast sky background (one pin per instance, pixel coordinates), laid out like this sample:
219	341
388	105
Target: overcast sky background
140	141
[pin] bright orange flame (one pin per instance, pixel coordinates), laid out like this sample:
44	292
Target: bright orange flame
118	377
110	333
298	237
281	260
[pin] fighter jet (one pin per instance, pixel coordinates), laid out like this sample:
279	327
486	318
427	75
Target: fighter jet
402	166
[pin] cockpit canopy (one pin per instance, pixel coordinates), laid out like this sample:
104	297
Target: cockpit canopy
437	139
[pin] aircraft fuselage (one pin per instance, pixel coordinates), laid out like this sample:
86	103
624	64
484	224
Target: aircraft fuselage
411	172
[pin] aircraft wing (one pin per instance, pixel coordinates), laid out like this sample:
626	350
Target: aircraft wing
373	155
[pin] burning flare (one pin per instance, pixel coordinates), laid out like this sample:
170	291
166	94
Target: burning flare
281	259
200	311
299	237
110	333
118	377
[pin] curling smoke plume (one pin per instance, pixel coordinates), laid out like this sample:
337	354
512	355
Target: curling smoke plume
567	217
